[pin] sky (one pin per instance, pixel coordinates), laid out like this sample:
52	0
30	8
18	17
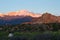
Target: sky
36	6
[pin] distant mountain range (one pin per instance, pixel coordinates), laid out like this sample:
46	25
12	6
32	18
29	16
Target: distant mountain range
17	17
25	16
20	13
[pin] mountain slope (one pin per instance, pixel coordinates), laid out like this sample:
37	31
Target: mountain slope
45	18
14	21
49	18
17	17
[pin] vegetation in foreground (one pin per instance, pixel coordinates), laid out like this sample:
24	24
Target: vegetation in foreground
31	36
31	31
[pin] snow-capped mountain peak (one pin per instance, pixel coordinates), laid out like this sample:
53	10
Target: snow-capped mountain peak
21	13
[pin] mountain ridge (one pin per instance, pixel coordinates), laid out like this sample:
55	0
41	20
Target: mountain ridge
23	16
20	13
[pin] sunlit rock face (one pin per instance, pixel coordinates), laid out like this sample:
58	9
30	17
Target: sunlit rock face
48	18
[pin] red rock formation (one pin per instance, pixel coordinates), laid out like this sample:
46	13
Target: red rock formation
46	18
